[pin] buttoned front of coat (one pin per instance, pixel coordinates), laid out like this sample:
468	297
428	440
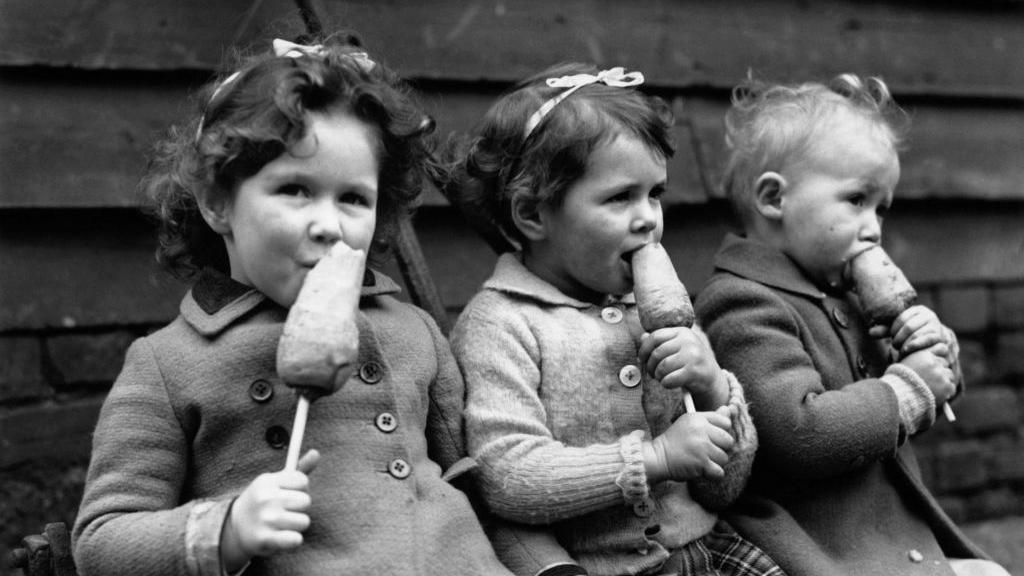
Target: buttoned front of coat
198	412
836	488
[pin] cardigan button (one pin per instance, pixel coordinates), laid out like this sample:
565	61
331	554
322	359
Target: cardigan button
399	468
386	422
371	372
611	315
915	556
629	376
261	390
644	508
277	437
840	317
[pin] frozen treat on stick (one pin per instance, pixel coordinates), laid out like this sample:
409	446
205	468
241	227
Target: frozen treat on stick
662	301
661	298
320	343
884	292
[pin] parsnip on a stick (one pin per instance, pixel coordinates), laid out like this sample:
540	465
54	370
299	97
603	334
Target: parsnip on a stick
661	298
884	292
320	343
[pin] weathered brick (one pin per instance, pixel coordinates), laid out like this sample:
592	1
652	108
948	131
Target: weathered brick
21	374
88	357
51	431
988	409
1009	305
959	465
1010	353
964	309
993	504
1006	458
974	362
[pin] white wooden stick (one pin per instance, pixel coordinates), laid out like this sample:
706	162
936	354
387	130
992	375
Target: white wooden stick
948	411
298	431
688	402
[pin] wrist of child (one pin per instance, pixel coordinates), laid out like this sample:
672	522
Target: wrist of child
233	555
716	395
655	465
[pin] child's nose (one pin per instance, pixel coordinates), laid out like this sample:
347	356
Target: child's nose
872	228
645	218
325	225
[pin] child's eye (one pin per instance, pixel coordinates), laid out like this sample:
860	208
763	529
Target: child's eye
858	199
352	197
619	198
657	192
294	190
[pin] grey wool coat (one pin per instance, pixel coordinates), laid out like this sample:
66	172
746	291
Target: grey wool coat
836	488
199	411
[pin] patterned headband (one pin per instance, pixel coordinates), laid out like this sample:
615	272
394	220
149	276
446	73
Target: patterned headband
286	49
617	77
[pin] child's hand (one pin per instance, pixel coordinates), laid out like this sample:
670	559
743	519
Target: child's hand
696	445
678	358
269	515
917	328
931	365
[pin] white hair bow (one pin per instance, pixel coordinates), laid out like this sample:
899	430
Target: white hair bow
617	77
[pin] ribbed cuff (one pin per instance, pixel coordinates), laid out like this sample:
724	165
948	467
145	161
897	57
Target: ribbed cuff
916	401
633	478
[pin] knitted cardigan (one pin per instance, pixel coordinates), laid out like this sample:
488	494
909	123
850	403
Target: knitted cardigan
556	409
836	488
199	411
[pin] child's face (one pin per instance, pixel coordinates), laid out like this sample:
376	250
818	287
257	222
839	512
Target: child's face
607	214
283	219
834	199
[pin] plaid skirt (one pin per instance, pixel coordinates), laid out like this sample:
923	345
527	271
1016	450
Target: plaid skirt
723	552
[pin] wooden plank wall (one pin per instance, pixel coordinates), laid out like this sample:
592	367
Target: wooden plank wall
85	88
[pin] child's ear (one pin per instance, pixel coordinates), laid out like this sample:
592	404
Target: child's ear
214	208
768	195
527	216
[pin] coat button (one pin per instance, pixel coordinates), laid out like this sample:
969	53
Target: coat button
386	422
629	376
399	468
371	372
277	437
915	556
643	508
840	317
261	390
611	315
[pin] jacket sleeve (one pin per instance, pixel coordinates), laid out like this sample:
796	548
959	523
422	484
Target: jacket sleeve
804	429
132	520
526	475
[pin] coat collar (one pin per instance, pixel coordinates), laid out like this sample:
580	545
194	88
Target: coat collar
764	264
512	277
216	301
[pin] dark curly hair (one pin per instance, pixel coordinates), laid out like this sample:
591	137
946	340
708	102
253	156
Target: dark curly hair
250	118
501	159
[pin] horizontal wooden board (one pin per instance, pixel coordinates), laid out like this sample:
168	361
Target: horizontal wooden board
82	143
949	48
74	270
952	151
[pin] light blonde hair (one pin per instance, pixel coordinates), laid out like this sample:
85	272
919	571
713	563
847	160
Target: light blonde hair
769	125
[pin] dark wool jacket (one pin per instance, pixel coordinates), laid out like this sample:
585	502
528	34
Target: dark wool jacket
198	412
836	489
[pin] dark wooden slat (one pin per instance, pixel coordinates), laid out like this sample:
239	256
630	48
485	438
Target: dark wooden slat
972	152
949	48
